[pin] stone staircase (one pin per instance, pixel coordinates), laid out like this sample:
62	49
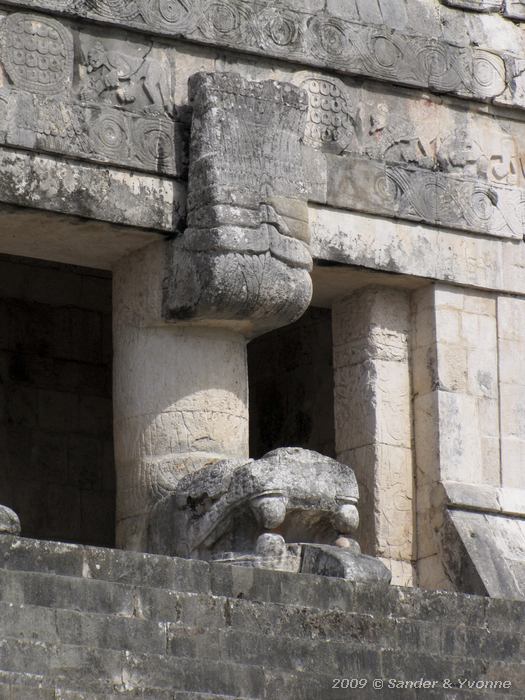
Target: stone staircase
82	623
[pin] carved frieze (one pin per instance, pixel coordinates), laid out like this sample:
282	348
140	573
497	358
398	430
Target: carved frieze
401	157
435	198
37	54
319	39
103	100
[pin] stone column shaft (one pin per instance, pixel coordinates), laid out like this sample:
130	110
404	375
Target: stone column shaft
180	394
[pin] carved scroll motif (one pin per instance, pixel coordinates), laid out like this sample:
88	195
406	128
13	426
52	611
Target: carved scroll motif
319	39
121	112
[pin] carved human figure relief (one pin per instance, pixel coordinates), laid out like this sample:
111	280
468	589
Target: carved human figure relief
389	136
115	77
459	152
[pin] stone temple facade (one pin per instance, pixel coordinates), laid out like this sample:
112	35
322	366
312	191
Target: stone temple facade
262	320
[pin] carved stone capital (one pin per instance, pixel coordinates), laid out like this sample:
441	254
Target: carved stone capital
244	260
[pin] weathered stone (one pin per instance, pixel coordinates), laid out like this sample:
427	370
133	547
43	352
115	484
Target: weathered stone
9	522
243	261
108	102
230	512
260	634
372	415
175	411
319	39
496	547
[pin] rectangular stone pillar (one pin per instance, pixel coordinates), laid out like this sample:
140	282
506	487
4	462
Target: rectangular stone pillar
455	369
373	419
511	353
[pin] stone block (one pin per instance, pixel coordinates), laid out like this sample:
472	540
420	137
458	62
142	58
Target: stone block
510	368
460	444
453	367
483	372
511	318
512	400
449	326
512	463
424	371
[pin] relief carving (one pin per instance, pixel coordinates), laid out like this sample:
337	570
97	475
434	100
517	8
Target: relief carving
331	116
121	112
468	175
37	54
117	78
319	39
244	259
292	510
436	198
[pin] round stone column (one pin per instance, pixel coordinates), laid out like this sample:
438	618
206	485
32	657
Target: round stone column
180	394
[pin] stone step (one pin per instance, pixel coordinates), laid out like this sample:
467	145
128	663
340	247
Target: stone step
109	598
144	608
23	687
107	672
173	574
238	645
24	554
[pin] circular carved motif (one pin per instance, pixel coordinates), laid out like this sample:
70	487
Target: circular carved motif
278	29
386	53
115	9
223	18
109	134
154	143
488	75
38	53
483	206
332	38
437	67
387	189
329	120
175	15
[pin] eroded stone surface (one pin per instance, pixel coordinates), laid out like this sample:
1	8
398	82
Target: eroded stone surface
244	257
180	394
371	329
515	9
260	513
9	522
360	43
87	94
496	547
298	493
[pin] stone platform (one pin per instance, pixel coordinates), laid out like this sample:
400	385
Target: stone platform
83	623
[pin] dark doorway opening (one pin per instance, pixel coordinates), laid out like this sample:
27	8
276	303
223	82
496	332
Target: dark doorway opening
56	447
292	387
